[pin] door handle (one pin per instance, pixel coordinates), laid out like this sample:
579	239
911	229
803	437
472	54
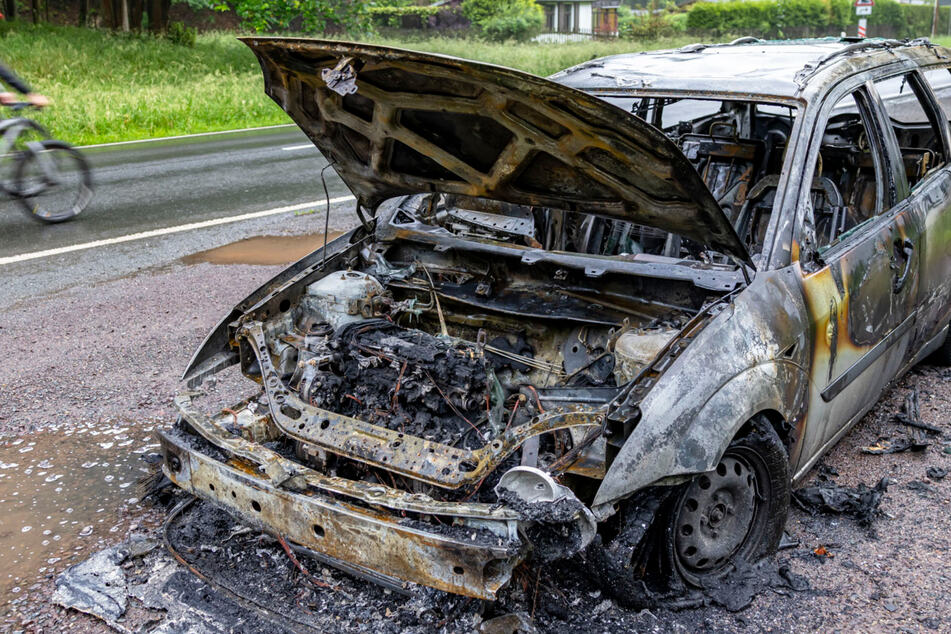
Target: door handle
907	248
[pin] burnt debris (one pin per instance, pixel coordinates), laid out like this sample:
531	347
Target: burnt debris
405	380
936	473
897	445
859	502
910	415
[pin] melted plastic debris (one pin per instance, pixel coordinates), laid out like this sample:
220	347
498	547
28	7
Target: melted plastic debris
737	589
936	473
96	586
896	445
405	380
860	502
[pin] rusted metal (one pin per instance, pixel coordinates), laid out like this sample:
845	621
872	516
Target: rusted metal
476	565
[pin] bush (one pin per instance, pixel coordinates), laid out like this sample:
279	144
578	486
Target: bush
515	23
677	23
182	35
704	17
501	20
399	16
660	19
477	11
799	18
308	16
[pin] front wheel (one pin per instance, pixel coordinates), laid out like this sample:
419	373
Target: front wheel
54	182
668	539
734	514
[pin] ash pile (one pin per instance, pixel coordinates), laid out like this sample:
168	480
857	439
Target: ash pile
405	380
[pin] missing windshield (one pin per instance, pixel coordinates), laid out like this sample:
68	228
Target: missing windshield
546	228
736	147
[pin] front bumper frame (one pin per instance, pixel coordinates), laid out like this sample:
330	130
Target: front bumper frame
356	526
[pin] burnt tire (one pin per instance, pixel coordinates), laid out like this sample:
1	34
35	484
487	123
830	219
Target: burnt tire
942	356
733	515
645	564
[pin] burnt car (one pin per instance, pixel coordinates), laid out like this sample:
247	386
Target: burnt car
620	311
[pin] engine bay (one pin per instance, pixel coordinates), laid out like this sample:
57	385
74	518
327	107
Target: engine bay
460	352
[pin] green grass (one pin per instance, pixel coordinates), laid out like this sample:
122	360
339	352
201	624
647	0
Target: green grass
540	59
108	87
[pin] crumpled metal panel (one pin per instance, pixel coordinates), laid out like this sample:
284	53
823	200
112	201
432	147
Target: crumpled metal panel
370	543
750	355
396	122
292	475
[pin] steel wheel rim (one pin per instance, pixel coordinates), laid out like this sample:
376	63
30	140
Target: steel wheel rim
718	513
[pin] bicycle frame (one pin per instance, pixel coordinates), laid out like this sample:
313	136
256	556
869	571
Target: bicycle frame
10	131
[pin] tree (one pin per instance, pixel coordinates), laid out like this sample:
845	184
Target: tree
505	19
158	15
310	16
128	14
10	9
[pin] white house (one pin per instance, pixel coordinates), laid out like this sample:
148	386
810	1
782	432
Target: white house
581	17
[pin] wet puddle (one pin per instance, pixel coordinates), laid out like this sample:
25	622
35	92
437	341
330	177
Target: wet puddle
263	250
63	494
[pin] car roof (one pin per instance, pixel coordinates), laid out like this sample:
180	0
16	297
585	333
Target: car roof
758	68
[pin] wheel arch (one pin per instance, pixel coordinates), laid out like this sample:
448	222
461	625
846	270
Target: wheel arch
661	448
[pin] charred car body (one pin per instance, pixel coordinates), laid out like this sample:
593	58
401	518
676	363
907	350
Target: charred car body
622	309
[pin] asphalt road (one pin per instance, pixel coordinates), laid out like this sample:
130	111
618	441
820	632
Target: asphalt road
158	187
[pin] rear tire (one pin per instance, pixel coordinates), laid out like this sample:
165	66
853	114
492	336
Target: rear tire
942	356
68	193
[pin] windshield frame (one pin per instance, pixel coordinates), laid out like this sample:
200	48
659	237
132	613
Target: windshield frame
796	107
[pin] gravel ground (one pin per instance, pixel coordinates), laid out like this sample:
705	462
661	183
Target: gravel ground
91	368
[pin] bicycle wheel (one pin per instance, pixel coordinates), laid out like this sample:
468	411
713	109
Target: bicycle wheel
54	183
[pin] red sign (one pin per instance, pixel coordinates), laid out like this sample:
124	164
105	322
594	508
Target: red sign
864	3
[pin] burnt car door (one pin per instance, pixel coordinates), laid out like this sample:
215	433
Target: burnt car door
927	125
860	260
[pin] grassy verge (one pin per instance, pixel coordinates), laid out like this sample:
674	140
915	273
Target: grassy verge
109	87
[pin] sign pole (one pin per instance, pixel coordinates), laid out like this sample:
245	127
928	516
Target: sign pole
863	8
934	19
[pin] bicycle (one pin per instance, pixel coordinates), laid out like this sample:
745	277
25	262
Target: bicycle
50	179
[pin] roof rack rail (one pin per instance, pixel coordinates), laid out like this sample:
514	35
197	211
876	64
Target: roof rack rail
810	69
697	47
746	39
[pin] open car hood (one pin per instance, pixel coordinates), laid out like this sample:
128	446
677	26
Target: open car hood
396	122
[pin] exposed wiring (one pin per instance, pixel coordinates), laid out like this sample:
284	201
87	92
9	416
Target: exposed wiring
451	405
300	566
323	181
432	288
541	410
538	364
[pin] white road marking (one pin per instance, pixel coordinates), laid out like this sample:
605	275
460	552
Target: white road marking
154	233
305	146
187	136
